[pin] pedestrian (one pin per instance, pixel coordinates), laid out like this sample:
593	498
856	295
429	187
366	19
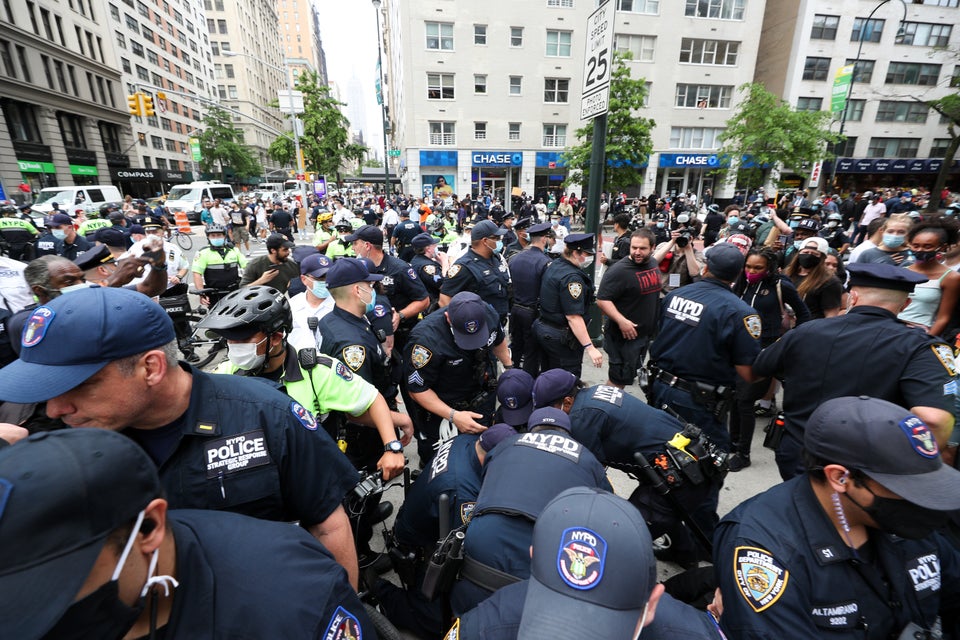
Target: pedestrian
932	303
275	269
820	290
892	249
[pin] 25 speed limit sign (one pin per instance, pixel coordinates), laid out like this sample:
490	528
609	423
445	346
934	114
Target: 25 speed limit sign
597	62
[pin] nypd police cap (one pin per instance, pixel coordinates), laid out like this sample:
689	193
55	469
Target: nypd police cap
883	276
539	229
580	242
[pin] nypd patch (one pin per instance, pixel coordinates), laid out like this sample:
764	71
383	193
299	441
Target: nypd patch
343	626
454	632
387	281
430	269
354	356
760	578
412	274
466	511
471	326
575	289
753	326
581	559
924	572
341	370
379	310
303	416
920	437
454	270
36	326
944	354
420	356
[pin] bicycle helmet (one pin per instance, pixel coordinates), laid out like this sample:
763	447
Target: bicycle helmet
259	308
835	216
215	228
8	210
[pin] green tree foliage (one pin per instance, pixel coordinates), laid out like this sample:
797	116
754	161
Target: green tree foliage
373	163
949	107
772	133
628	143
221	144
325	142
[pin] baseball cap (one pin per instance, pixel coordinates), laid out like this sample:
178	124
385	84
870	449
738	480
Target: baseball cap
61	494
315	265
58	219
136	229
724	261
367	233
346	271
552	385
809	224
467	313
277	240
902	455
485	229
592	567
112	237
72	337
422	240
818	243
549	417
883	276
515	393
495	435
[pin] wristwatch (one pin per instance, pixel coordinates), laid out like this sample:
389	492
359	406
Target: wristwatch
394	446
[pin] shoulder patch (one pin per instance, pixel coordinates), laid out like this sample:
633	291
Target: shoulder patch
36	326
943	352
420	356
354	356
379	310
575	289
303	416
466	511
920	437
342	371
760	578
343	626
430	269
454	632
412	274
581	559
753	325
606	393
454	270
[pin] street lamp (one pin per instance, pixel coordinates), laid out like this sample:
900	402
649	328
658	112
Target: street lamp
853	76
285	70
383	107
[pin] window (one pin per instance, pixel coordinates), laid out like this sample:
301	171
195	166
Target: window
440	86
893	147
228	70
845	148
809	104
161	163
146	162
136	48
703	96
516	85
955	78
912	73
869	30
556	90
232	92
940	3
143	74
639	6
9	69
816	68
863	70
153	58
157	142
722	9
554	135
513	131
642	47
61	77
902	111
716	52
21	121
110	136
115	12
166	124
855	110
939	147
222	26
132	23
480	34
923	34
45	60
695	137
558	43
24	67
170	145
566	4
440	36
71	130
443	133
824	27
215	48
147	34
479	130
480	84
516	36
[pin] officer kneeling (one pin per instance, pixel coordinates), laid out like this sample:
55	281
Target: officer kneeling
851	549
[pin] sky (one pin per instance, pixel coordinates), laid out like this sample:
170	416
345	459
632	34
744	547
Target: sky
348	30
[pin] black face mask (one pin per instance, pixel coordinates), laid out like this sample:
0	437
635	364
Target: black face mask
925	256
99	615
902	518
808	260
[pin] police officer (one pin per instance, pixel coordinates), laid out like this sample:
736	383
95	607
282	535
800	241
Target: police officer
449	369
403	235
481	270
340	246
67	242
218	265
120	564
566	295
526	271
17	233
510	237
426	265
834	233
544	461
521	230
515	395
850	548
870	353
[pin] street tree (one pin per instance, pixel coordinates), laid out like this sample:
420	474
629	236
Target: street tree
222	147
325	142
949	107
767	133
628	143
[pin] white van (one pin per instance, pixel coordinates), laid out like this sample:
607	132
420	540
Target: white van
68	199
189	198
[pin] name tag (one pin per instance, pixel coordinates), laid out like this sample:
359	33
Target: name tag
841	615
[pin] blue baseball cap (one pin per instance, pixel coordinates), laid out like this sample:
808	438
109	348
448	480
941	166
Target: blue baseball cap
485	229
552	385
423	240
315	265
347	271
549	417
515	393
495	435
75	335
467	314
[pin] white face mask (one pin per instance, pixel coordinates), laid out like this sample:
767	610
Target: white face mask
244	355
586	262
643	620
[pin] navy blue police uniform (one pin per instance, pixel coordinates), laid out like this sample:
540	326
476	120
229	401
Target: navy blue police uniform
429	271
402	286
526	270
47	245
566	290
489	278
462	379
404	233
544	462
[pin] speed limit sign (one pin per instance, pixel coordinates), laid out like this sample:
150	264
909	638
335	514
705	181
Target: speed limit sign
597	61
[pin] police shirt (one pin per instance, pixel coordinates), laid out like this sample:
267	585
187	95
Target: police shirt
351	340
405	232
433	361
244	447
430	273
486	277
47	245
526	271
864	352
400	282
454	470
785	572
705	329
565	290
219	266
18	224
634	290
244	578
88	227
280	219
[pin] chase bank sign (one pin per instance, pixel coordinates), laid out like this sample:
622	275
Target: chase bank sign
696	160
496	159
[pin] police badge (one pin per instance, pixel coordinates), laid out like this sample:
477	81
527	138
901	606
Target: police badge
420	356
354	356
575	289
454	270
753	326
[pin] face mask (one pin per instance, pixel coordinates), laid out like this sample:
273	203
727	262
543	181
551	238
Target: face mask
892	241
217	242
754	278
244	355
794	224
902	518
59	234
925	256
75	287
660	225
808	260
797	244
369	306
586	262
499	247
732	220
320	290
832	224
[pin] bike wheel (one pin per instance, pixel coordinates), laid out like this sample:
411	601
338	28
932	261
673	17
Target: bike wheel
184	241
385	629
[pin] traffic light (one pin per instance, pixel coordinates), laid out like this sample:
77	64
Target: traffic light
148	106
133	101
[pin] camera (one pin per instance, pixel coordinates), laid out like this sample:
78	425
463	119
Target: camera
686	235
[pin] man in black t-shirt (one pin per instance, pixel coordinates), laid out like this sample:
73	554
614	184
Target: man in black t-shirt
280	222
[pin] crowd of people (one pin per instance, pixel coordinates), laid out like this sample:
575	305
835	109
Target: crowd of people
141	496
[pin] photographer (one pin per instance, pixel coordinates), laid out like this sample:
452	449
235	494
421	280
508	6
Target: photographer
680	261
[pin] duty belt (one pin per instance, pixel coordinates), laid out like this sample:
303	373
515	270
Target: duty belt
485	576
672	381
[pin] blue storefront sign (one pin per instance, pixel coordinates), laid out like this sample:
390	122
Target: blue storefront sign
496	159
549	160
889	165
438	158
696	160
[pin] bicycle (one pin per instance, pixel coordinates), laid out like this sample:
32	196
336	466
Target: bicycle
183	239
176	303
